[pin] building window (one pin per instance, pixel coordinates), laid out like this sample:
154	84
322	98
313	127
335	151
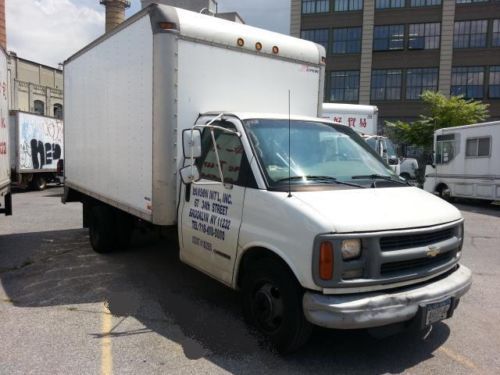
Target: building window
386	84
348	5
386	4
58	111
424	36
471	1
468	81
478	147
319	36
388	38
420	80
495	37
494	85
315	6
347	40
344	86
470	34
39	107
425	3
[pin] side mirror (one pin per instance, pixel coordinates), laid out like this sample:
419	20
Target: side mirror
190	174
191	143
393	160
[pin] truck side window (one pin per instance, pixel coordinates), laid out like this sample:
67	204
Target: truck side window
445	148
231	154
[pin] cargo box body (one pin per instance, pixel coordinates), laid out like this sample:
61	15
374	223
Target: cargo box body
129	95
4	129
37	142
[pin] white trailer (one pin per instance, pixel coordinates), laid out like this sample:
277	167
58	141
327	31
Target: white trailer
466	162
362	118
176	118
38	147
5	195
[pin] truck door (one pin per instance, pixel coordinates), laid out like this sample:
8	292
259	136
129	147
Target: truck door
211	211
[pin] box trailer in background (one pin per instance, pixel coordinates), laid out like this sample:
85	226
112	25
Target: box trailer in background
361	118
5	196
180	119
466	162
38	146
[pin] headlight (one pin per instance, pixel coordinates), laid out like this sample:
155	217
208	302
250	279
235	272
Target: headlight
351	249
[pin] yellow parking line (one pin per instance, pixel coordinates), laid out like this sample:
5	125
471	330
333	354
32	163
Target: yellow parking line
106	355
464	361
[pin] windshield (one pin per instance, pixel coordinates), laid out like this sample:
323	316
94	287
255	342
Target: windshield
319	152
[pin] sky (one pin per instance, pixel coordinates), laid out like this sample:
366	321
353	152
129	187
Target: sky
49	31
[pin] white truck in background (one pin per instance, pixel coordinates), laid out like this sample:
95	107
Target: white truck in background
5	195
38	145
220	138
364	120
466	162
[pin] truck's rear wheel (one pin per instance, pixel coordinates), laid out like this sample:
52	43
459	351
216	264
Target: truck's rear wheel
102	229
272	301
39	182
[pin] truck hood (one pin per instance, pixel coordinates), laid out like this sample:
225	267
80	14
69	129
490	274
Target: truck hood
379	209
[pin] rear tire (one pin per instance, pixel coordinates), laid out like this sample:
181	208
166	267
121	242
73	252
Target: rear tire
272	302
102	229
39	182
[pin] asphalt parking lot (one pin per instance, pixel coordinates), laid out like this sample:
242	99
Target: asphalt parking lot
67	310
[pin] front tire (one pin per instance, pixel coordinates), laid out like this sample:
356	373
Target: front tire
272	301
39	182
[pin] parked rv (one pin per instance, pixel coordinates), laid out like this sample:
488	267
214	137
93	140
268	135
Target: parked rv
298	213
466	162
5	195
38	146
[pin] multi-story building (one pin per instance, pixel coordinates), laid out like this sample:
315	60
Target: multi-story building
34	87
387	52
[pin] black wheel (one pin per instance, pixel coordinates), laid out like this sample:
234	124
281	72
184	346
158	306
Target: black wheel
405	175
445	193
39	182
272	301
102	229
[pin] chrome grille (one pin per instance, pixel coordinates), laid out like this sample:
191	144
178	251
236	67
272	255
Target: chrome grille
415	240
415	264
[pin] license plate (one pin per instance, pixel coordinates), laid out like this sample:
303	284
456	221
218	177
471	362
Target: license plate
437	312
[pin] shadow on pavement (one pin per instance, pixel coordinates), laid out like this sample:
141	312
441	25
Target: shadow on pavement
150	284
490	209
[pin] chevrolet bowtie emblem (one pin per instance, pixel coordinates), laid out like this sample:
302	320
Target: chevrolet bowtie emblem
433	251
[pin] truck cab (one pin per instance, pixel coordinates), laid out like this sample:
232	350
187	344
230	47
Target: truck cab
312	236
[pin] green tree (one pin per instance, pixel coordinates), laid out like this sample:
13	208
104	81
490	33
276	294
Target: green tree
440	112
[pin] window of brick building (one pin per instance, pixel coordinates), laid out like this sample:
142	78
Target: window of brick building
386	84
315	6
420	80
347	5
346	40
386	4
494	83
344	86
468	81
388	37
470	34
424	36
319	36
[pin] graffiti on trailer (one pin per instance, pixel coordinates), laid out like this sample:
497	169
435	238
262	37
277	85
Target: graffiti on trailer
41	142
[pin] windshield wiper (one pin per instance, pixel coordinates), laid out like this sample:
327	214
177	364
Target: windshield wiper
378	177
326	179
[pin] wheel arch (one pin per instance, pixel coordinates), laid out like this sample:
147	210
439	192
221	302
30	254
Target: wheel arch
256	253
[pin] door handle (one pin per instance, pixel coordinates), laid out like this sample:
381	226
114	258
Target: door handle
188	192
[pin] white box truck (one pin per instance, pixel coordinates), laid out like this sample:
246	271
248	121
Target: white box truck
180	119
38	147
466	162
364	120
5	195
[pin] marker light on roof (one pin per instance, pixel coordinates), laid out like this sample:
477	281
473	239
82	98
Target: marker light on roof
258	46
276	50
241	42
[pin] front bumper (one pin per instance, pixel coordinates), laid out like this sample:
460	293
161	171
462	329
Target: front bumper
378	309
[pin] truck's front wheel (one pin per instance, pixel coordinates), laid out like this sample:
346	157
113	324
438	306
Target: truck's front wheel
101	229
39	182
272	300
